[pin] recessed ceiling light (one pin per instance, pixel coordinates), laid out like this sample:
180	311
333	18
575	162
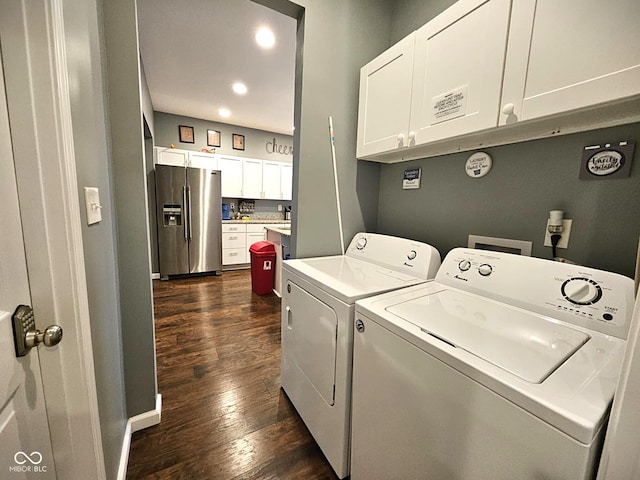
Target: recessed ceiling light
224	112
239	88
265	37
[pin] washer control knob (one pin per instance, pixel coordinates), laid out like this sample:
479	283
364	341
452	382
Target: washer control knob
581	291
485	269
412	254
361	243
464	265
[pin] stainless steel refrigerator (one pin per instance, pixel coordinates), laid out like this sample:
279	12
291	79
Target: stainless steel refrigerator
189	208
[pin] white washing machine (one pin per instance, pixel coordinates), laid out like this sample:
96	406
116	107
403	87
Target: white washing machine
317	327
503	367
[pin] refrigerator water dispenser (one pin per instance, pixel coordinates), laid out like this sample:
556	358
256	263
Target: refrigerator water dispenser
172	215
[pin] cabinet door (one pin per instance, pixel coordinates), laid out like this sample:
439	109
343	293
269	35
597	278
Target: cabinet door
571	54
171	156
459	63
271	180
385	100
231	168
203	160
256	237
286	181
251	178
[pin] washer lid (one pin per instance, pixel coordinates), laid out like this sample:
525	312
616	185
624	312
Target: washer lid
349	279
524	344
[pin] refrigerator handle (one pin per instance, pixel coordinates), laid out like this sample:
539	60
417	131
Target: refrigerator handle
184	206
190	229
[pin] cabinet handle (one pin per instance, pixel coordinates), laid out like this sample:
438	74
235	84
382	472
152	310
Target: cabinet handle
400	139
508	109
412	137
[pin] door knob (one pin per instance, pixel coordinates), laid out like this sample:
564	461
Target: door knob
26	335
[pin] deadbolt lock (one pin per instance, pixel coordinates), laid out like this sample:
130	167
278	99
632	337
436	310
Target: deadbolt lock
26	335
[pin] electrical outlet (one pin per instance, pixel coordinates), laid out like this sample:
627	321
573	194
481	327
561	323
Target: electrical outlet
279	208
564	239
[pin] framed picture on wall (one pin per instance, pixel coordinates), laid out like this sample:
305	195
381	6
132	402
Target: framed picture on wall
213	138
238	142
186	134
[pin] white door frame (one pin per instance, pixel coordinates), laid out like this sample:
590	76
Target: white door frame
33	44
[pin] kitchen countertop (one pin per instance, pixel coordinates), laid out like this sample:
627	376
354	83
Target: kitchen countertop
281	231
265	221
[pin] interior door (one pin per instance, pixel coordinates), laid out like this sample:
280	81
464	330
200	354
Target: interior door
25	446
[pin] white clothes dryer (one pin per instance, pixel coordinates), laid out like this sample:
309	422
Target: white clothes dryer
318	305
504	367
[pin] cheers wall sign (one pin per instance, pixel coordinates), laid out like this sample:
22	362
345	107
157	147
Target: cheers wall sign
273	146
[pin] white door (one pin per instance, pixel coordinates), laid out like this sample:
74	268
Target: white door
252	178
571	54
271	180
25	446
286	181
231	168
203	160
385	100
171	156
457	76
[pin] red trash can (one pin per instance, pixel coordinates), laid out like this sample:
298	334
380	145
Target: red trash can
263	267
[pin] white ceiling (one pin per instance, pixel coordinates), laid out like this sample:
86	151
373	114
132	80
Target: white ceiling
194	50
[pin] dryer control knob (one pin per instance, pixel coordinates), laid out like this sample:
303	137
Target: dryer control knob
361	243
581	291
464	265
412	254
485	269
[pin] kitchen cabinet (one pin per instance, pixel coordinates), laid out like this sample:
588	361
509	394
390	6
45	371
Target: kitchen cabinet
271	180
203	160
234	244
237	238
231	168
569	55
251	178
457	71
286	181
255	233
171	156
480	65
385	100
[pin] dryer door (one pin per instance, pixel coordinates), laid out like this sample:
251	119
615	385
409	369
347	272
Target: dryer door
310	339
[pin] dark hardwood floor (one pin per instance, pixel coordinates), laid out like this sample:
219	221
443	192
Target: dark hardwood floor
224	415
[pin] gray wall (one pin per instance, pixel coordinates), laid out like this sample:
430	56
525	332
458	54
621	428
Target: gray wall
255	140
83	43
130	193
513	201
409	15
335	38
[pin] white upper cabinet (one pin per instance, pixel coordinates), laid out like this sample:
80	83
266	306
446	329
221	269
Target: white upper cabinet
385	100
563	66
271	179
569	54
251	178
457	72
203	160
171	156
286	181
231	168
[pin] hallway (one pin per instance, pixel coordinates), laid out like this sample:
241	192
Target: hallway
224	415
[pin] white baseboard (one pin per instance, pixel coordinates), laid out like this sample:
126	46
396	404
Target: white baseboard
155	276
144	420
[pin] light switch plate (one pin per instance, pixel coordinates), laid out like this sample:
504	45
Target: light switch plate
92	202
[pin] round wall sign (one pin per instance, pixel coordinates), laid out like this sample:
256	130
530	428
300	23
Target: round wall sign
605	163
478	165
